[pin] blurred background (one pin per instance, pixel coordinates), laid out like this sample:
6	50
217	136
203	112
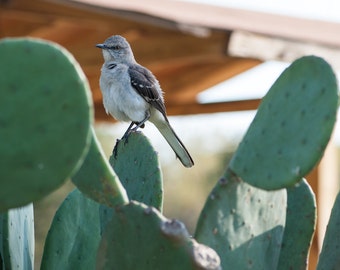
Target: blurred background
215	60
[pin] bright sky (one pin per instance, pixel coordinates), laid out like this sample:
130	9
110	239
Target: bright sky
251	84
327	10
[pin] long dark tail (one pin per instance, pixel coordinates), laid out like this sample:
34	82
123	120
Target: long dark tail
176	144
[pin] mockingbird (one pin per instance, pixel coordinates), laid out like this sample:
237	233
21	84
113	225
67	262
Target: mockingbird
132	93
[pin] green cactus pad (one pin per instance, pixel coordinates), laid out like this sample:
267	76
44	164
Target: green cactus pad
97	179
74	236
291	128
300	224
136	163
139	237
45	117
330	253
243	224
17	238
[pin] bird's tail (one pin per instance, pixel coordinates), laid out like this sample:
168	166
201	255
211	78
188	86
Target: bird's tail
175	143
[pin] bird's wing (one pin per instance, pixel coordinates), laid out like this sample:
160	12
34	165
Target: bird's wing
146	85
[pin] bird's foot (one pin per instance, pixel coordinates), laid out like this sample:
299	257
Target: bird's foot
126	135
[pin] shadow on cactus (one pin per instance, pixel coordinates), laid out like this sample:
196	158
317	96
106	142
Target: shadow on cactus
251	218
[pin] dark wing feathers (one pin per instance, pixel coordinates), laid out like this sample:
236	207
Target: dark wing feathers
145	83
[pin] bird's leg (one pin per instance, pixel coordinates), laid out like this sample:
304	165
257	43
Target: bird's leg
128	131
142	123
125	136
138	125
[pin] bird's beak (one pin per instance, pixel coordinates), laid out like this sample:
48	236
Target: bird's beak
101	46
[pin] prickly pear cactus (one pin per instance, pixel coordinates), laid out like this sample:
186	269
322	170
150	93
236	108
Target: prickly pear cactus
285	141
243	224
139	237
45	118
85	220
330	253
97	180
74	236
17	238
130	238
136	164
300	224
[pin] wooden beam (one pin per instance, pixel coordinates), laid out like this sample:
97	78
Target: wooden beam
190	109
216	17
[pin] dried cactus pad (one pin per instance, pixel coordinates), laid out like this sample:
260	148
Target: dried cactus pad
45	118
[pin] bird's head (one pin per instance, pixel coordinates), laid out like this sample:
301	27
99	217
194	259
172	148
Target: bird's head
116	48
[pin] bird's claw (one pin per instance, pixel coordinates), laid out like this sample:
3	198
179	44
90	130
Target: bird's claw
126	136
115	149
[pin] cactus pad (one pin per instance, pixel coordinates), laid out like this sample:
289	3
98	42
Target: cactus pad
300	224
330	252
97	180
136	163
139	237
17	238
291	128
45	117
74	236
243	224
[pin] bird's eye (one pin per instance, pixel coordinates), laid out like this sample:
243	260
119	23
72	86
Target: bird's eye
116	47
111	66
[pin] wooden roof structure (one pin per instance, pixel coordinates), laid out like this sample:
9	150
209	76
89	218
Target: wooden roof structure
187	51
184	64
